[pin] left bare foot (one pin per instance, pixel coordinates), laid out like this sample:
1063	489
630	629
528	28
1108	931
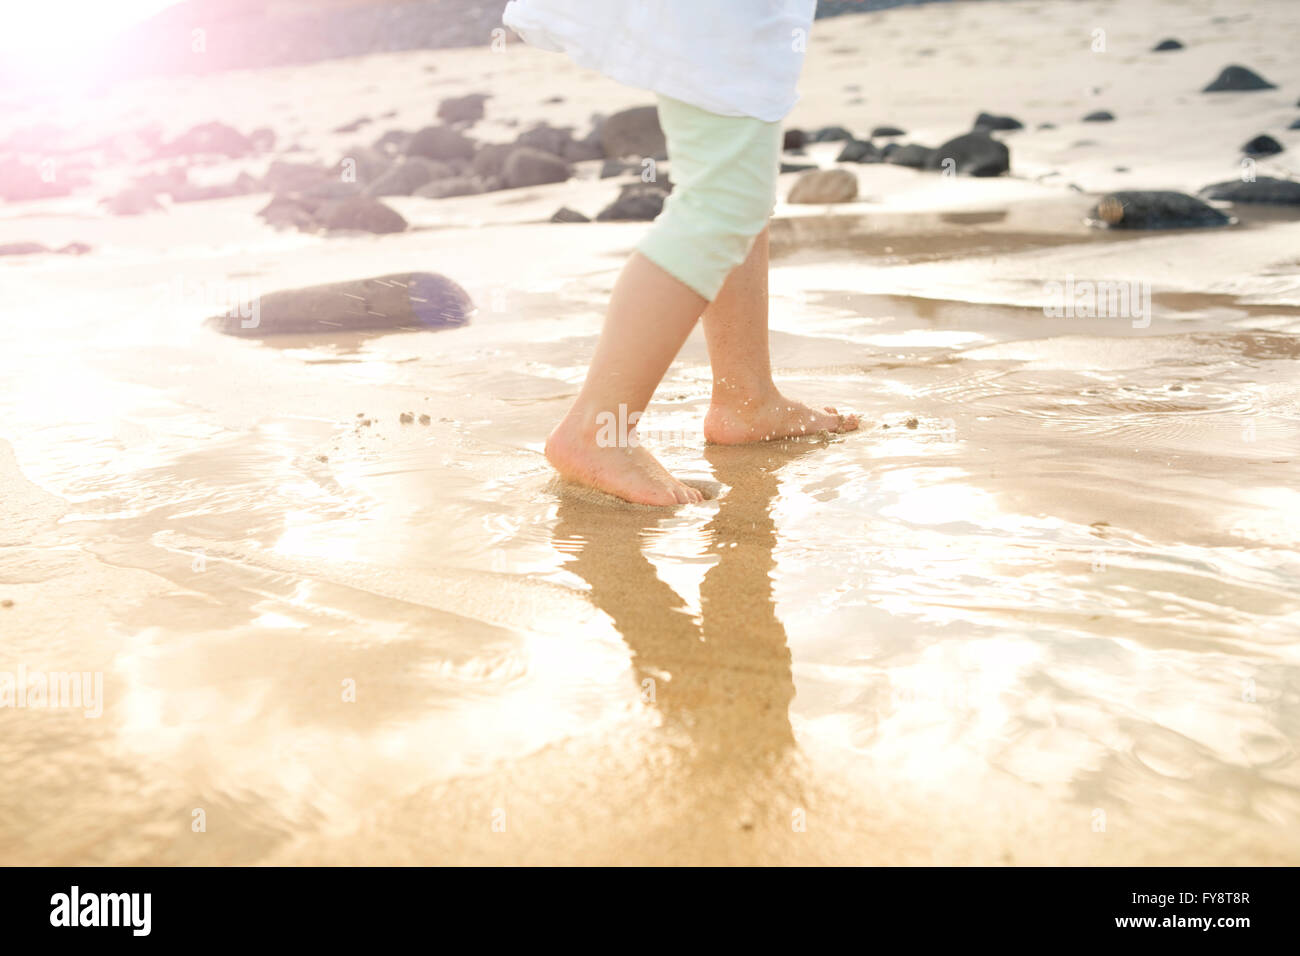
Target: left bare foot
738	422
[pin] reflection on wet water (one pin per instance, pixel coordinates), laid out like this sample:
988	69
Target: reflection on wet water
720	673
1055	575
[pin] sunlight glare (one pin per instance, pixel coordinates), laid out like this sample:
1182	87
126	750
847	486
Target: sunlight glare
55	35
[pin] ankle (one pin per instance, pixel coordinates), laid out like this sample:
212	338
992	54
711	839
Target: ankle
739	394
598	426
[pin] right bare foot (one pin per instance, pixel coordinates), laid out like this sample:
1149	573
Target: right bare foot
630	473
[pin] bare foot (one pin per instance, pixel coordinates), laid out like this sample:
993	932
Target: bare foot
630	473
739	421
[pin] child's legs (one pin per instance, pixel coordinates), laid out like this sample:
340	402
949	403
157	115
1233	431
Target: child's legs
713	236
650	315
735	326
746	405
724	172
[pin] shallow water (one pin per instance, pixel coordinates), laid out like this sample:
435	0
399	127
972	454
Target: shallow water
1042	608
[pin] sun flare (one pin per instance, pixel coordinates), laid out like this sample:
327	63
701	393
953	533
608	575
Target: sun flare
55	36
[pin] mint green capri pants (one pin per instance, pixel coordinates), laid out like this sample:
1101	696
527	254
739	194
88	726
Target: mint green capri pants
724	172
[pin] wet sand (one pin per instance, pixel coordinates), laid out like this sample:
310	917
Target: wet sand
1042	609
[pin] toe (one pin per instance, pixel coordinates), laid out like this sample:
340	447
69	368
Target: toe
844	421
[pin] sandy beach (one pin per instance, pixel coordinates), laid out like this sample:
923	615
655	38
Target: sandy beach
1042	609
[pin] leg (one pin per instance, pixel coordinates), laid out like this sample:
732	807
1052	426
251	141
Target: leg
650	315
746	405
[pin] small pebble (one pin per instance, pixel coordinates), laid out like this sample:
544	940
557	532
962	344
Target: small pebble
7	602
911	423
406	418
425	419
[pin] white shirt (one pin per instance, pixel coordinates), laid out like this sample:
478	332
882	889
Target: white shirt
733	57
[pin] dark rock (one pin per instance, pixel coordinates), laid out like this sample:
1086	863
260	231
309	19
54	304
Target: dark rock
581	150
1164	45
1295	124
987	121
408	176
285	177
334	189
565	214
975	154
453	186
361	164
1156	209
355	125
132	202
913	155
1047	126
312	213
559	141
633	132
1099	116
888	131
526	166
359	214
290	212
1235	77
819	186
208	139
859	151
1265	189
393	142
831	134
549	139
490	160
618	167
793	139
1262	145
463	109
440	142
23	249
797	167
404	301
637	201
